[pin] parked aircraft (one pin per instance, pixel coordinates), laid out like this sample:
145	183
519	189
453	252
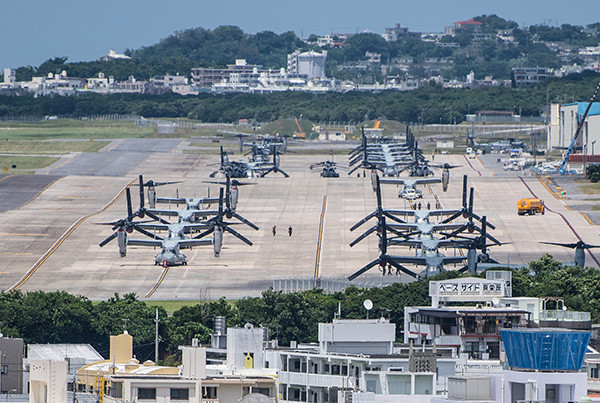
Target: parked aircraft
409	191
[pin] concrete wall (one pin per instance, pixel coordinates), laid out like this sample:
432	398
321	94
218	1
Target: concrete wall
357	336
193	362
240	342
568	386
48	381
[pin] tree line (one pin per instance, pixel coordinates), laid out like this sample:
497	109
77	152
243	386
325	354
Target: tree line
59	317
199	47
430	104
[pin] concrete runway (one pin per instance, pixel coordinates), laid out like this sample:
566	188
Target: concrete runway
16	190
116	159
73	204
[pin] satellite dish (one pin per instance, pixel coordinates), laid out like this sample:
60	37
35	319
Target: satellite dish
368	304
495	301
564	307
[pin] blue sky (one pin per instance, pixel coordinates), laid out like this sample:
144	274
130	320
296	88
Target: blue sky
33	31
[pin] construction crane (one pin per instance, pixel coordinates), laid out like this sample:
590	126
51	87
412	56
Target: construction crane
300	134
563	165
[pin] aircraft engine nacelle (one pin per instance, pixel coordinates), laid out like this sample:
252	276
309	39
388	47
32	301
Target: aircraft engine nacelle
217	239
445	179
472	260
374	179
151	197
233	199
122	242
580	257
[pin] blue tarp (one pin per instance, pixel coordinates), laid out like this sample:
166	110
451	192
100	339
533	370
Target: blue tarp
551	350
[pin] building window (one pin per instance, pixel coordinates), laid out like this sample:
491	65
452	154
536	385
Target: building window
180	394
147	393
116	390
209	392
262	391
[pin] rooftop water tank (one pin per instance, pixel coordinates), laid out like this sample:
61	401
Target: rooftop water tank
545	349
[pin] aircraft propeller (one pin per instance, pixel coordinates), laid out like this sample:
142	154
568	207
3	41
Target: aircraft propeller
383	259
217	226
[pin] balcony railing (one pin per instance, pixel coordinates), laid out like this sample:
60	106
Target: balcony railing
317	380
571	316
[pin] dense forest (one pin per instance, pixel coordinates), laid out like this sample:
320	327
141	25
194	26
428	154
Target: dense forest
58	317
430	104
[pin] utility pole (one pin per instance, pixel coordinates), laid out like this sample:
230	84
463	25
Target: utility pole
156	338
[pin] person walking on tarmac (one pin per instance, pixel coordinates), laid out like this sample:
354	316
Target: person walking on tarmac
290	231
274	230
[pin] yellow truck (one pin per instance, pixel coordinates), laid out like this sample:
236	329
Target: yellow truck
530	206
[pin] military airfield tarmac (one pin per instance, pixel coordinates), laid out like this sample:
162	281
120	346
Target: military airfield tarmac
49	237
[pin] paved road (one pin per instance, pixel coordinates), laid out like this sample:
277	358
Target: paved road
16	190
116	159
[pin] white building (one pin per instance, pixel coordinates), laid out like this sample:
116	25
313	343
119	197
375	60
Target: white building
564	119
10	76
112	55
356	359
311	64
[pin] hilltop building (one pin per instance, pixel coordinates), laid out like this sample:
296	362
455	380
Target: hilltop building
310	64
524	76
112	55
397	33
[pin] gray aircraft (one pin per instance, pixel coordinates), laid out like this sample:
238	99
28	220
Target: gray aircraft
409	191
170	254
579	247
127	225
151	190
328	169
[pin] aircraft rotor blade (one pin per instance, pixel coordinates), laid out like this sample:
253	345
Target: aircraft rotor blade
237	235
364	235
110	238
452	217
364	220
393	217
267	172
129	208
205	233
220	202
245	221
401	268
147	233
141	192
364	269
283	172
464	192
353	169
487	224
157	218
